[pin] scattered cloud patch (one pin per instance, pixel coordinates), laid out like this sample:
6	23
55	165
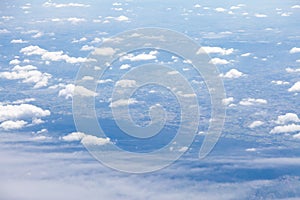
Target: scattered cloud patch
295	50
13	125
295	87
61	5
219	50
219	61
258	15
288	117
140	57
126	83
104	51
233	73
85	139
255	124
252	101
122	102
280	82
286	128
227	101
69	90
18	41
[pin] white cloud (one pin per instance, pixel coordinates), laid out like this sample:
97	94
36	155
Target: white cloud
252	101
219	61
126	83
295	6
122	102
18	41
295	50
37	35
12	125
297	136
75	20
286	128
295	87
233	73
220	9
256	124
290	70
13	116
14	62
87	48
68	91
234	7
85	139
28	74
246	54
125	66
280	82
60	5
104	51
197	6
122	18
227	101
3	31
288	117
51	55
143	56
41	138
219	50
260	15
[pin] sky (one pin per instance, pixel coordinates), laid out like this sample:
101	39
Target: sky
69	67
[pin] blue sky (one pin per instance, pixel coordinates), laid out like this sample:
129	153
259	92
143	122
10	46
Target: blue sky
255	46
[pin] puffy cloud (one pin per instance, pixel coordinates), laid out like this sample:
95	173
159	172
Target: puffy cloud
252	101
288	117
233	73
143	56
256	124
122	102
104	51
51	55
29	74
124	66
14	62
297	136
227	101
10	125
60	5
295	6
120	18
295	87
260	15
126	83
219	61
220	9
85	139
41	138
18	41
246	54
218	50
286	128
68	91
280	82
2	31
290	70
87	48
295	50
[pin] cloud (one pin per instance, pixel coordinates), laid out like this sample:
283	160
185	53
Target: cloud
12	125
219	61
120	18
85	139
219	50
288	117
3	31
295	6
220	9
14	116
51	55
260	15
280	82
297	136
295	87
295	50
255	124
122	102
124	66
14	62
143	56
104	51
68	91
18	41
246	54
286	128
28	74
290	70
252	101
87	48
233	73
227	101
60	5
126	83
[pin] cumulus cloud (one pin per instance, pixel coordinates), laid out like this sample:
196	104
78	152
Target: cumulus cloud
256	124
227	101
126	83
104	51
125	66
85	139
18	41
258	15
120	18
246	54
51	55
280	82
13	125
233	73
14	62
122	102
220	9
286	128
295	87
68	91
219	50
295	6
252	101
290	70
61	5
87	48
143	56
295	50
28	74
297	136
219	61
288	117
